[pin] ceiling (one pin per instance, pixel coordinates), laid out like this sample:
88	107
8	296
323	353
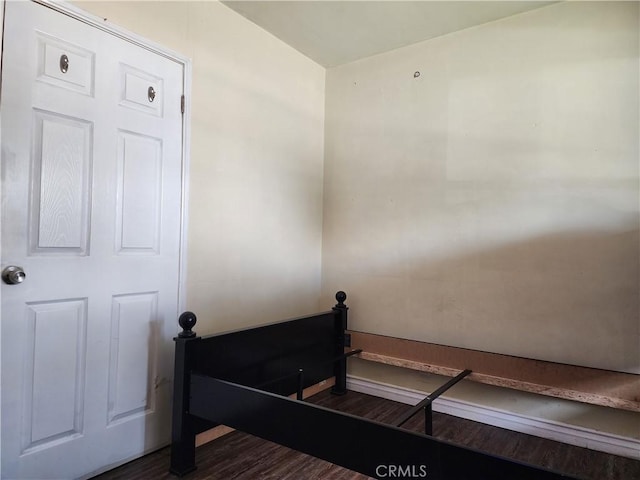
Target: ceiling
336	32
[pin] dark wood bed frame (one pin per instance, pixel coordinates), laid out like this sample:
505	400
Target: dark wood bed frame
243	379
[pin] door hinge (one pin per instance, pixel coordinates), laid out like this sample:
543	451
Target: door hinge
182	104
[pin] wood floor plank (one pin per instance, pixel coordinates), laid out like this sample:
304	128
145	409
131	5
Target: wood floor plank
245	457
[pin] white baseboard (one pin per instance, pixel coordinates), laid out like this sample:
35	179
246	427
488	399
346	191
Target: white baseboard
561	432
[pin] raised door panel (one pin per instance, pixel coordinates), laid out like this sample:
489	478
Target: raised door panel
139	194
54	363
65	65
132	365
141	91
61	185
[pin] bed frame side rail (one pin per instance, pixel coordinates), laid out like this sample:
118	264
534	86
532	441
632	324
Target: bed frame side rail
362	445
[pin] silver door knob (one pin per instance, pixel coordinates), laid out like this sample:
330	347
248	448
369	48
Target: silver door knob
13	275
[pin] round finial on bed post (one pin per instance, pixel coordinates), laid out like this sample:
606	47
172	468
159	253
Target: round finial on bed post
341	297
187	321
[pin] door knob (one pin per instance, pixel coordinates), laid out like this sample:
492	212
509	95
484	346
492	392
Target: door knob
13	275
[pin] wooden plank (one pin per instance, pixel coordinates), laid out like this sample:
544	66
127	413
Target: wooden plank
588	385
211	434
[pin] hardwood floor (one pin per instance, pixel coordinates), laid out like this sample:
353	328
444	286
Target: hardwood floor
244	457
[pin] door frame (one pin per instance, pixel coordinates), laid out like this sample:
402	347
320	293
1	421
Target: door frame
103	24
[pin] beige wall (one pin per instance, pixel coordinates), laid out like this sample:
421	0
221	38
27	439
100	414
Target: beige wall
492	202
255	189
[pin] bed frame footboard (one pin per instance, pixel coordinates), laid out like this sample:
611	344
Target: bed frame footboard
282	358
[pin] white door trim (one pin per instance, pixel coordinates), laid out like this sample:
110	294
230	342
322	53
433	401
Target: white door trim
131	37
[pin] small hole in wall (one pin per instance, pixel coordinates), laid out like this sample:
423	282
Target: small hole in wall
416	74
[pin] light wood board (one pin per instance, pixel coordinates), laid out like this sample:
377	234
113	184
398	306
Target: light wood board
571	382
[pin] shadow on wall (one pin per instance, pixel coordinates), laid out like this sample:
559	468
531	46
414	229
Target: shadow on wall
565	297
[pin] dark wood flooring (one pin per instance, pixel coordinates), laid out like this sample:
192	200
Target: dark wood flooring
244	457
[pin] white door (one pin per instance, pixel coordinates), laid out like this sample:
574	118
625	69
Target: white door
91	211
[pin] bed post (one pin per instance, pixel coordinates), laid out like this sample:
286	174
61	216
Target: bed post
340	369
183	437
